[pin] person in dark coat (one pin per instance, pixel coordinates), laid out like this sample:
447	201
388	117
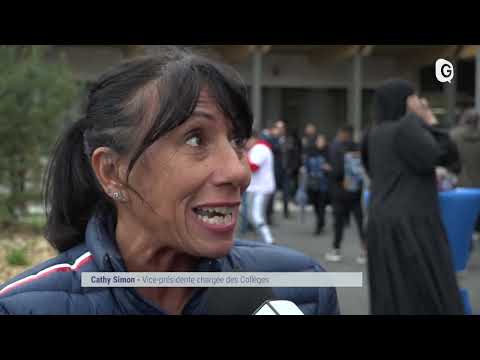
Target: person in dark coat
275	134
309	139
410	266
346	186
317	169
291	163
467	138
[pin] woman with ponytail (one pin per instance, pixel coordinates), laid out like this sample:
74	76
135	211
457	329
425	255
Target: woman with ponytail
150	180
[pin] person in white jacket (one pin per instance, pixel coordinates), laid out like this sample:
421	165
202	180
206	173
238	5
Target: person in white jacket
262	186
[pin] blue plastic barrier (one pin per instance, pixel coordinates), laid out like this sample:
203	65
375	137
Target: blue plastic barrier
460	209
466	302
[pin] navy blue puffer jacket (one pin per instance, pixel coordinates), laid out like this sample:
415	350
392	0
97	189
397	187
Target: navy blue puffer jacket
54	287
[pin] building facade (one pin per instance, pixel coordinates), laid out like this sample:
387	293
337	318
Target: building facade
328	85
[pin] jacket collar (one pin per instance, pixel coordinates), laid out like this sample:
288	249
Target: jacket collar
100	235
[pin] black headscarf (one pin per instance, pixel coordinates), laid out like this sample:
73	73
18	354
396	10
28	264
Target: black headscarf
391	100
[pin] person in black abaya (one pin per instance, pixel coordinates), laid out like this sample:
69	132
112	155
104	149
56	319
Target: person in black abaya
410	266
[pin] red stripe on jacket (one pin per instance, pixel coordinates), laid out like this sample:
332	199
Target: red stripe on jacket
81	261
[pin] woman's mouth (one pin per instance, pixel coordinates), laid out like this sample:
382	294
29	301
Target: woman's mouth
219	216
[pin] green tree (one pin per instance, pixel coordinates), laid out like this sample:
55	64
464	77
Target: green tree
35	95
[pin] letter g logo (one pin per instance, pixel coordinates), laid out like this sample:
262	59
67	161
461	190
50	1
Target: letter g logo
444	71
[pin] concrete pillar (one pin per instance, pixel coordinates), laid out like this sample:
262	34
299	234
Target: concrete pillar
257	60
355	97
450	91
477	80
272	106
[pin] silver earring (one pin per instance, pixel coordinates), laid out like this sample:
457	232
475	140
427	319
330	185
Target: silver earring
117	196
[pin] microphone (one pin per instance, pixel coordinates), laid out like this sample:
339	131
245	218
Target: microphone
248	301
279	307
237	301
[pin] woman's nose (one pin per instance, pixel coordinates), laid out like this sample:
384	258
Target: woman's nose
232	167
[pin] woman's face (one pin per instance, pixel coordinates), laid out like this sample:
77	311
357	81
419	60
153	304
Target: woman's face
193	179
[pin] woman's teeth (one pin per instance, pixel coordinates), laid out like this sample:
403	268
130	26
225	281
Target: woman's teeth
216	216
217	220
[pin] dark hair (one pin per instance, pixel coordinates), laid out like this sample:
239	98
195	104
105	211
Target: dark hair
347	129
159	92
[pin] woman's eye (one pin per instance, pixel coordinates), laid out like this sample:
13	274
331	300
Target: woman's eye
194	141
239	143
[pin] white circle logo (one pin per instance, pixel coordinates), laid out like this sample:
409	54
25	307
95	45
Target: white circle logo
444	71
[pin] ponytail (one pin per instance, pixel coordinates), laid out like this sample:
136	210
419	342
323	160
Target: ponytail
71	190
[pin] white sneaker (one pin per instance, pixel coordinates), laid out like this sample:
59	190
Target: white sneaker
476	237
361	260
333	256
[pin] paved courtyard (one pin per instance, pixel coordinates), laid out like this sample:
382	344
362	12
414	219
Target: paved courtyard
299	235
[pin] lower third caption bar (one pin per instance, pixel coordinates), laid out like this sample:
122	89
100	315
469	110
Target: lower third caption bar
226	280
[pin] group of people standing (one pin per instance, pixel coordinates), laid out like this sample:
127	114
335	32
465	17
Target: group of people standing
333	176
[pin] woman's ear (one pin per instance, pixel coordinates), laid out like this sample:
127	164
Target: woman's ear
110	172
